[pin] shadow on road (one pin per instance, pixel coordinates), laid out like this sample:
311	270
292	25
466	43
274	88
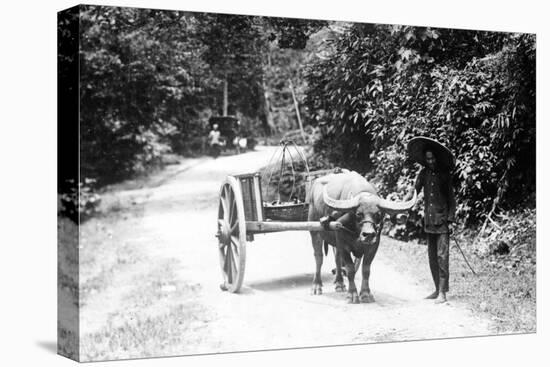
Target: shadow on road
304	280
293	281
388	300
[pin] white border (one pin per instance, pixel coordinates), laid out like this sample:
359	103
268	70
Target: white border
28	154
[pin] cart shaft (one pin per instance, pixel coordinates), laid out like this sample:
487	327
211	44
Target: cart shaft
267	227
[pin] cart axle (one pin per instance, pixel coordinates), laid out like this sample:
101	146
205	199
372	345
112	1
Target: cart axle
269	227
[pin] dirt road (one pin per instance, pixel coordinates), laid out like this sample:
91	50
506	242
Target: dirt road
152	282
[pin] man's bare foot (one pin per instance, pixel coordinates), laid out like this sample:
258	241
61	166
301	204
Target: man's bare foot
442	298
433	295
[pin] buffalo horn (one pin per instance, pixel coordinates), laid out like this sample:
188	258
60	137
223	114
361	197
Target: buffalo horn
395	207
340	204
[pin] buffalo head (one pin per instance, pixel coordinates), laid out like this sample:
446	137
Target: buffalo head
367	210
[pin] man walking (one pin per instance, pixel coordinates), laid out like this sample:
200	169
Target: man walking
439	207
214	141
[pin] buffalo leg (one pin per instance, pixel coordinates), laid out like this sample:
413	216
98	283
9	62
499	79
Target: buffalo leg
365	295
350	269
317	242
339	279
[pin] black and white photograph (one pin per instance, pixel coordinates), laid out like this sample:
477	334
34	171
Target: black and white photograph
232	183
246	183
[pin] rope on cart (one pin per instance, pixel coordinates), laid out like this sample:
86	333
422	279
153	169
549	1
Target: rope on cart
281	154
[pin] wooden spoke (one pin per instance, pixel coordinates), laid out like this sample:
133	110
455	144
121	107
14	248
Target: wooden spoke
235	240
235	247
228	203
230	195
234	271
230	272
224	206
233	211
226	259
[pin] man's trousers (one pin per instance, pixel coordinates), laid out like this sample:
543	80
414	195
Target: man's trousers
438	255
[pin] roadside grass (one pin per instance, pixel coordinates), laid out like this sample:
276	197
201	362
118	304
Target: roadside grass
159	318
133	306
107	242
143	336
506	296
67	287
104	252
67	255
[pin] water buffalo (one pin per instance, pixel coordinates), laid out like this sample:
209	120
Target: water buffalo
350	199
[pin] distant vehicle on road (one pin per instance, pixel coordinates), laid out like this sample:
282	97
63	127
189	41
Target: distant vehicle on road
232	133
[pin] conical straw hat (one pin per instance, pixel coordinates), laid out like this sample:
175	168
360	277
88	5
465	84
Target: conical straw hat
418	145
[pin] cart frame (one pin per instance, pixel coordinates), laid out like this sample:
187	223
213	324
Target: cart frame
241	215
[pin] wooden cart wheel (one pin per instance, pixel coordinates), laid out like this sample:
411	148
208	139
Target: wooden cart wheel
231	235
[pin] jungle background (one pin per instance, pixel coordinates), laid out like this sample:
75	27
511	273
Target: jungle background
150	79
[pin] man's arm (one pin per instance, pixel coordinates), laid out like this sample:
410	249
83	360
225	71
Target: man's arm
451	202
418	185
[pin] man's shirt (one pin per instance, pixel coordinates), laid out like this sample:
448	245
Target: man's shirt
214	137
439	201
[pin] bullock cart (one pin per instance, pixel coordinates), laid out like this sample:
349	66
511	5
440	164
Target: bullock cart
243	213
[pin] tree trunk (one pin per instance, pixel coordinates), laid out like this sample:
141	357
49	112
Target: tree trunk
267	110
271	128
225	97
297	111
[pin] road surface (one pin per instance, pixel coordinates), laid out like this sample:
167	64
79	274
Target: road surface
163	298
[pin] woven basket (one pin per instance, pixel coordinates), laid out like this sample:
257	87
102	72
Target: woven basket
287	212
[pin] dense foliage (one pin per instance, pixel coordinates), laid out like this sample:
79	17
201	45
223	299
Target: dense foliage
150	79
137	73
378	86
